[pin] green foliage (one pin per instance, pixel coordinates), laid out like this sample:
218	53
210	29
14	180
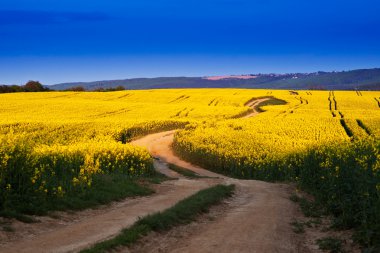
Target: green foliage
345	178
8	228
10	88
76	88
272	101
183	171
333	245
298	227
126	135
34	86
31	86
105	189
118	88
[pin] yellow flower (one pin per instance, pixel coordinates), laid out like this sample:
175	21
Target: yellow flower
75	181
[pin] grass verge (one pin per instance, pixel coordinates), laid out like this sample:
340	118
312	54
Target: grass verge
309	208
104	189
331	244
183	212
185	172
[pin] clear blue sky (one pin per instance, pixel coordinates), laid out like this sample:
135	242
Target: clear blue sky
56	41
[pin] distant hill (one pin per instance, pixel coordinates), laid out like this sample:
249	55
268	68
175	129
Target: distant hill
362	79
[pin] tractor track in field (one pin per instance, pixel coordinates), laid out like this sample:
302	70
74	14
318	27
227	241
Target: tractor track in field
255	104
256	219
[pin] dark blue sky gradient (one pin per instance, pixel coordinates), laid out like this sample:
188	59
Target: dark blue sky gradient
57	41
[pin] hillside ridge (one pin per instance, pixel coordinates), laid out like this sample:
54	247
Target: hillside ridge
361	79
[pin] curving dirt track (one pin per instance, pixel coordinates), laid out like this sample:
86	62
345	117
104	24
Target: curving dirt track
102	225
256	219
254	105
88	227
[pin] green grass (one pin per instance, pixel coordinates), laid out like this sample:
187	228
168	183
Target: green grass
183	212
272	101
8	228
6	225
185	172
156	178
104	189
298	227
331	244
6	213
309	208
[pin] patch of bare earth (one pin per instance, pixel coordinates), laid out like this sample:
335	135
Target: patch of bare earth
254	105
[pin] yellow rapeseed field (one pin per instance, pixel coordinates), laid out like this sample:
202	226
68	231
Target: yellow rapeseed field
68	136
53	143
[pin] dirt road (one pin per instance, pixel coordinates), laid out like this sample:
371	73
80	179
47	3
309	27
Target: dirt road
257	219
91	226
254	105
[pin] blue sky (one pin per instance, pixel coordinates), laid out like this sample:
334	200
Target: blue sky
57	41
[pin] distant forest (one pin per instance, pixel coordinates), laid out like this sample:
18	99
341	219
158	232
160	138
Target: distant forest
360	79
36	86
31	86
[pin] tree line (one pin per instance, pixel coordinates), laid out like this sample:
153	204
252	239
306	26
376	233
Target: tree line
31	86
36	86
81	88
